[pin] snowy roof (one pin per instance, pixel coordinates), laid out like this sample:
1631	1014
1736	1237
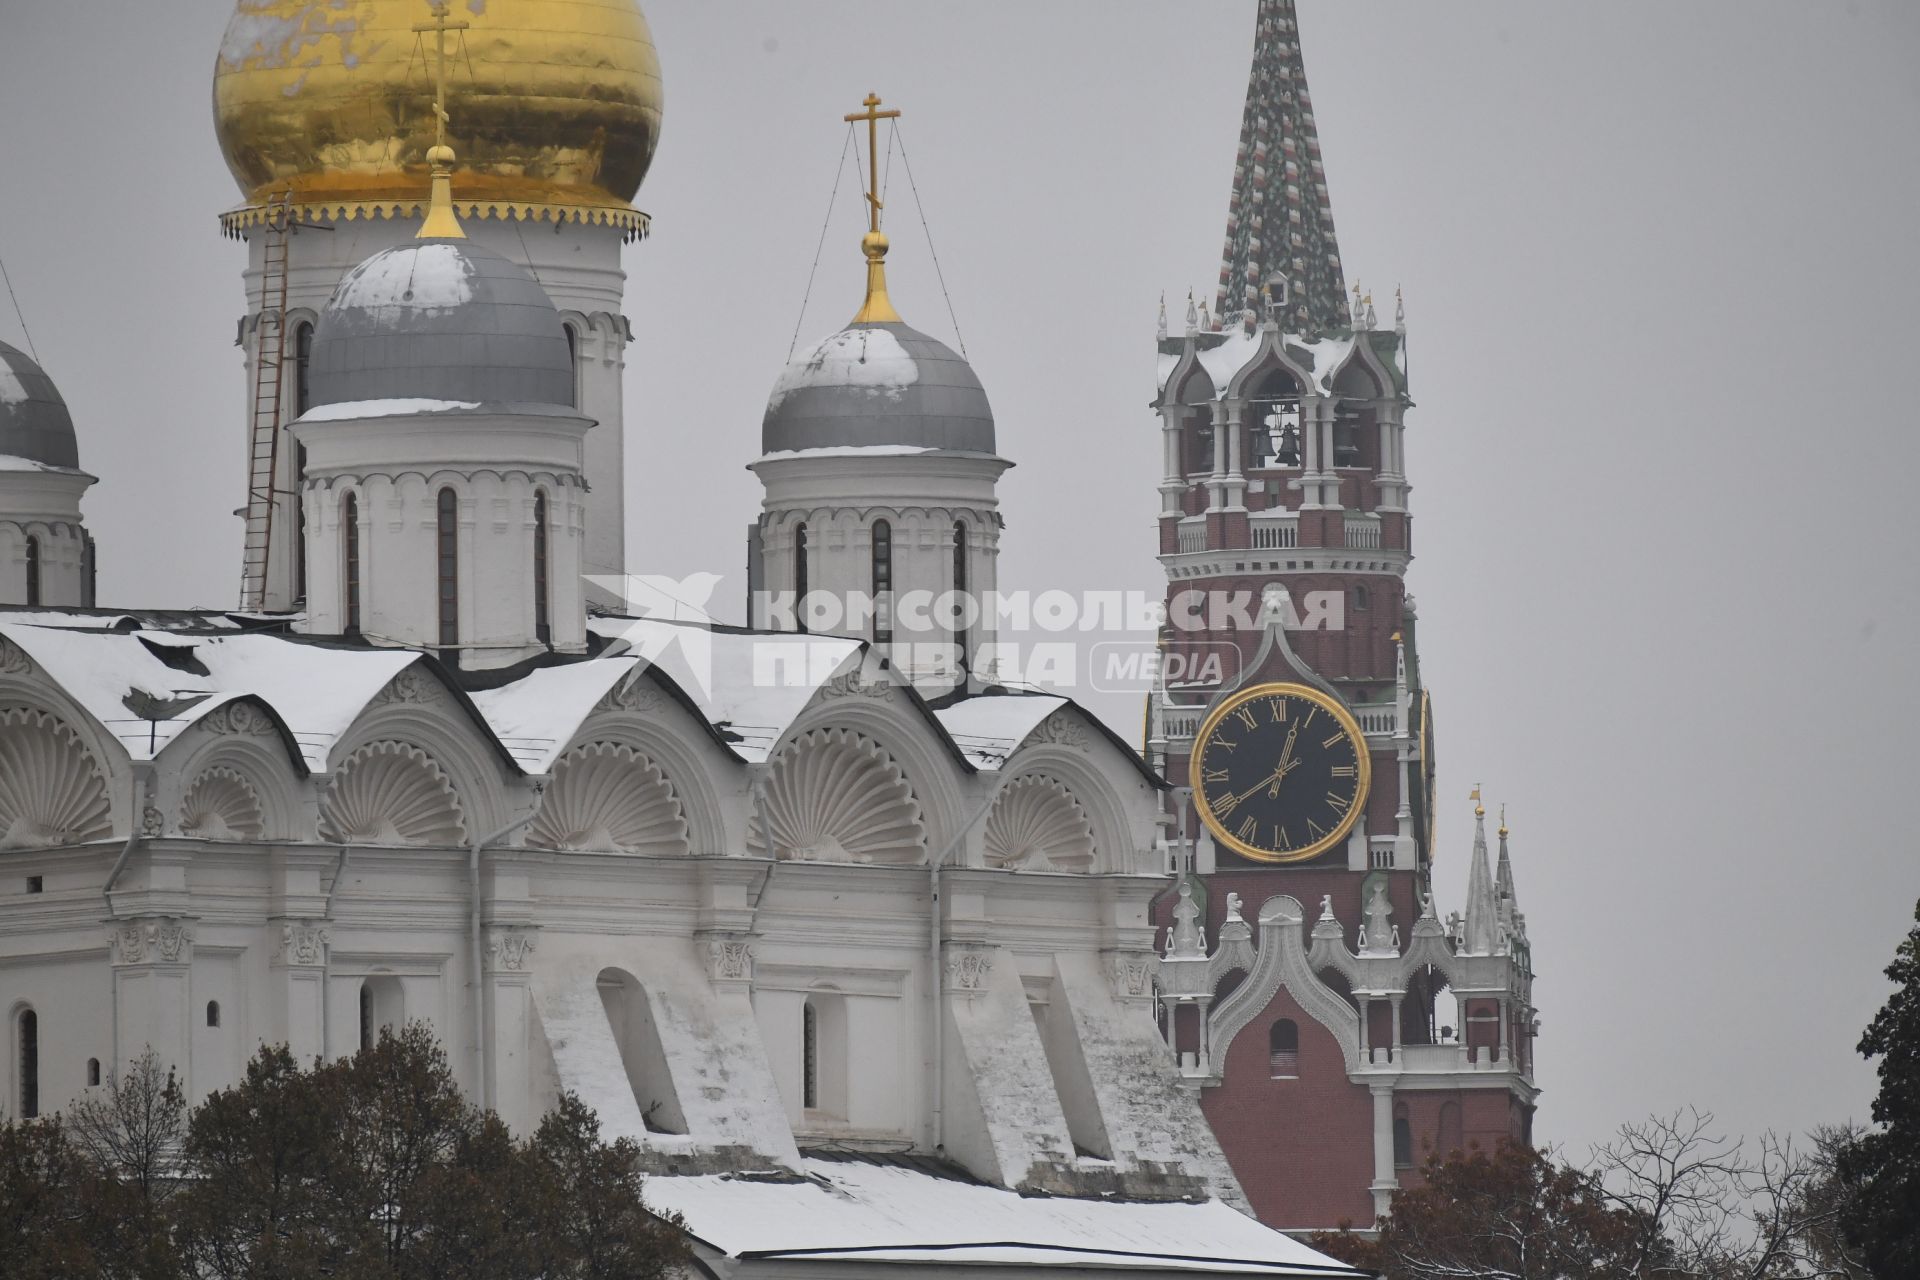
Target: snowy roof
537	715
317	692
1322	358
878	384
988	729
851	1211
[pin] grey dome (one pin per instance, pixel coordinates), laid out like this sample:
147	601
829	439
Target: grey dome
878	384
34	423
440	320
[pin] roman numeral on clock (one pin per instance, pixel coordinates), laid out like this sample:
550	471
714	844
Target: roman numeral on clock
1220	775
1245	716
1247	829
1339	802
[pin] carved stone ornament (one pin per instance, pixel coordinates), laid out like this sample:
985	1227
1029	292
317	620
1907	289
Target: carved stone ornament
156	940
1061	729
51	791
633	695
412	685
389	793
510	949
850	685
730	959
238	719
968	970
1132	975
833	795
13	660
303	943
222	805
609	798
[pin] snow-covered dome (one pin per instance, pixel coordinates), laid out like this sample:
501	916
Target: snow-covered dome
440	320
878	384
34	423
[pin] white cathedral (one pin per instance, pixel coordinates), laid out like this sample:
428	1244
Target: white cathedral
857	948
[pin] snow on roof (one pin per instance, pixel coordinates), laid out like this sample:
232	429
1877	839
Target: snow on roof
10	463
750	685
1323	357
537	715
317	692
348	410
867	356
418	276
852	451
987	729
853	1211
106	620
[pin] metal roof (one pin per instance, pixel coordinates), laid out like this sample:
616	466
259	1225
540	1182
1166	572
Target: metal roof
34	423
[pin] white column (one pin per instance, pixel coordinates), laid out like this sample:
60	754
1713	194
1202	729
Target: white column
1384	1180
1217	482
1173	479
1236	488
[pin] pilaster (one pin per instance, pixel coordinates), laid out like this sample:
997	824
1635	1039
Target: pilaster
152	959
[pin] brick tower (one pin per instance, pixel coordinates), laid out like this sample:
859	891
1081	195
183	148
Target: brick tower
1337	1028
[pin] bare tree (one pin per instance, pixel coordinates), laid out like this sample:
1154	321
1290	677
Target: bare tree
1706	1207
133	1128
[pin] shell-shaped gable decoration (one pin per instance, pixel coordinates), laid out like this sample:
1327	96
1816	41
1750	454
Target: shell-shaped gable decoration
51	789
1037	825
833	795
607	798
222	805
393	794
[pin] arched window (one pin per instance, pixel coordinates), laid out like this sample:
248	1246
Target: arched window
800	550
1362	598
1283	1049
213	1013
449	574
809	1057
380	1007
542	606
1402	1142
26	1026
33	572
573	363
960	550
350	570
882	582
302	364
93	1073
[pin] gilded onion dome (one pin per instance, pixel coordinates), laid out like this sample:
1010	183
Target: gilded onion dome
555	107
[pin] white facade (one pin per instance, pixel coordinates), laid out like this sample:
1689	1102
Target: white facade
45	555
578	264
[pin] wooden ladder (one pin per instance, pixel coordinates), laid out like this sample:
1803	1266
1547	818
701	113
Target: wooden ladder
269	383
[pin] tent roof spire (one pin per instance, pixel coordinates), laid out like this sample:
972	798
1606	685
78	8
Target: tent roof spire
1280	219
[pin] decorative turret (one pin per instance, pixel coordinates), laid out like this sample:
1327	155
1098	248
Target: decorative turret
46	555
1481	934
880	469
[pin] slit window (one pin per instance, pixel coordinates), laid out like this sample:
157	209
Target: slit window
213	1013
1283	1049
33	572
27	1041
883	582
93	1073
542	605
800	575
350	520
449	584
960	591
809	1057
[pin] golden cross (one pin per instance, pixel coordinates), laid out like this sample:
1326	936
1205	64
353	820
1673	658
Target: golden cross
440	25
873	118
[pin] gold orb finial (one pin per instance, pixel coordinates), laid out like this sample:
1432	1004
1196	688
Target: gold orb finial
1479	810
1503	822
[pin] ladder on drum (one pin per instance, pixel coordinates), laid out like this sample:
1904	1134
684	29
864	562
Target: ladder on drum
269	386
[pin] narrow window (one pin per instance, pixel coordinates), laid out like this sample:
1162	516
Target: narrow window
1283	1049
213	1013
300	522
573	364
366	1016
33	572
89	579
449	577
302	364
27	1027
542	619
809	1057
1402	1142
1362	598
960	591
93	1073
882	582
36	884
800	575
350	520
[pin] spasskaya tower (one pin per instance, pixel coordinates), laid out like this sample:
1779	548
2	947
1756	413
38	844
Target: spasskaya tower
1337	1027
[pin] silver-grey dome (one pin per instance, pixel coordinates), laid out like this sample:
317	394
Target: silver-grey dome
440	320
34	423
875	385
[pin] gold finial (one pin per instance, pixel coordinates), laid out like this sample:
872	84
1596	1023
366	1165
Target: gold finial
1479	810
877	309
441	223
1503	822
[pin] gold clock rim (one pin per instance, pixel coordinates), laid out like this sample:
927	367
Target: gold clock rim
1325	702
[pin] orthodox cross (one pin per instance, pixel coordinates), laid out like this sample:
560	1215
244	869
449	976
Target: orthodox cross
440	25
873	117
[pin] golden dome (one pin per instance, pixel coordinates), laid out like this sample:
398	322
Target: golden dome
553	106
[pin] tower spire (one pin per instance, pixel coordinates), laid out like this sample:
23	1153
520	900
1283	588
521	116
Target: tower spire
877	309
1482	931
1280	219
441	223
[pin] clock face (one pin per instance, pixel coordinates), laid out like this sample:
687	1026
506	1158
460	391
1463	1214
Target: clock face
1280	772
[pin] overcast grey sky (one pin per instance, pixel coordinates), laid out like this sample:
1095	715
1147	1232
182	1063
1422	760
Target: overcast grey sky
1661	289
